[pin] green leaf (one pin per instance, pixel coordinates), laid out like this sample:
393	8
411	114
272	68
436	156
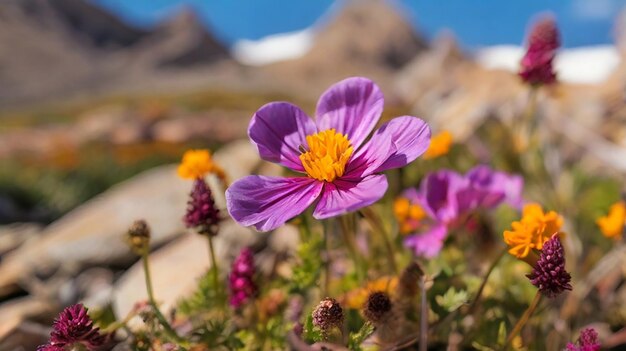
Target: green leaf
452	299
310	334
356	339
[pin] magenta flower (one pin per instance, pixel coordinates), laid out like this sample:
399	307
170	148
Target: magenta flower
342	167
587	341
448	197
543	41
73	327
241	279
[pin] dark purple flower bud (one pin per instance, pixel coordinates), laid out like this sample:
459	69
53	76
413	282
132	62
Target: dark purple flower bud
549	274
242	286
543	41
202	214
587	341
327	315
377	307
73	326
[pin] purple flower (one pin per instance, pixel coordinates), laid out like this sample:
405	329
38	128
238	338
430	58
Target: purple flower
494	187
448	197
549	274
543	41
587	341
242	286
342	168
202	214
73	326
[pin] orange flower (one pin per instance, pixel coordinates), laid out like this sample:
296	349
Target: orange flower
532	231
197	164
439	145
612	225
407	214
356	298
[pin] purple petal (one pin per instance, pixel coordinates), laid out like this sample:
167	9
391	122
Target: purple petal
269	202
278	129
500	186
345	195
429	243
438	194
409	137
352	107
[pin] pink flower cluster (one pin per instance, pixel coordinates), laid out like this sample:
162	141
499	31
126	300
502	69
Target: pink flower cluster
242	286
543	41
588	341
73	327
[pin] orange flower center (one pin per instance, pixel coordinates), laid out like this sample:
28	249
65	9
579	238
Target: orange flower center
328	155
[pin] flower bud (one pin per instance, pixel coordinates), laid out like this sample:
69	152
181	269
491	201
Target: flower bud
138	237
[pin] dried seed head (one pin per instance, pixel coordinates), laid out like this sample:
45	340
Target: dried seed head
377	307
327	315
138	237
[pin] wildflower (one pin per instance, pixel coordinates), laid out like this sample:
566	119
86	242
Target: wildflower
532	231
138	237
612	225
448	197
73	328
202	213
549	274
408	213
587	341
439	145
197	164
377	307
328	315
543	41
357	297
343	170
242	286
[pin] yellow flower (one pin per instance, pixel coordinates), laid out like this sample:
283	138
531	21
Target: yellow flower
612	225
356	298
532	231
198	163
439	145
407	214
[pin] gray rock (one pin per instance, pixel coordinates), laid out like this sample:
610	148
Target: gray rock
93	234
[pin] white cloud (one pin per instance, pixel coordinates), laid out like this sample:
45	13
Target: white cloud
273	48
584	65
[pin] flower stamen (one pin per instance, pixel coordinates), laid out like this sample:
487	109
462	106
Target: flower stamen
328	154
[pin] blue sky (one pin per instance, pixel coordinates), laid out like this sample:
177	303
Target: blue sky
475	22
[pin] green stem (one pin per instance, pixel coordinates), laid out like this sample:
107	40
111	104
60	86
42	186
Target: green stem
485	279
377	225
169	331
423	346
326	286
214	268
348	237
522	322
